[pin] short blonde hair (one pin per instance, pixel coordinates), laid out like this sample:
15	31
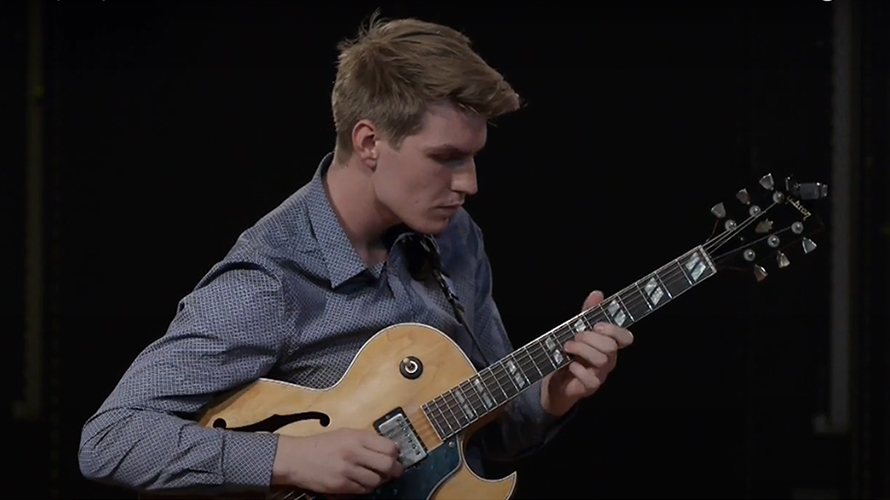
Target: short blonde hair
393	70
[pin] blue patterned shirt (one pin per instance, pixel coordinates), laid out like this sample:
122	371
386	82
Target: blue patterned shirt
293	301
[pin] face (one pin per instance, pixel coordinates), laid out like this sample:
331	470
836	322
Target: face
426	180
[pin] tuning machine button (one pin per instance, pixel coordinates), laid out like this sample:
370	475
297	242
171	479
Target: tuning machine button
782	260
808	245
760	273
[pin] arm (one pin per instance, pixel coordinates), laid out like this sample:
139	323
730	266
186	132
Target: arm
524	426
225	334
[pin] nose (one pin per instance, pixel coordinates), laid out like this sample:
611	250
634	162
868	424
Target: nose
464	179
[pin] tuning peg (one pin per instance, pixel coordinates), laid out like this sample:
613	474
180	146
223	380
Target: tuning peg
782	259
719	210
743	196
760	273
767	182
808	245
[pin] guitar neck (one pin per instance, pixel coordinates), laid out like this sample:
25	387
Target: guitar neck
497	384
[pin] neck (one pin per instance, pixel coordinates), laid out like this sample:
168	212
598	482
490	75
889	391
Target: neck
363	219
495	385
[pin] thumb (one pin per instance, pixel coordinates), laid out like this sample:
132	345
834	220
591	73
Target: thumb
593	299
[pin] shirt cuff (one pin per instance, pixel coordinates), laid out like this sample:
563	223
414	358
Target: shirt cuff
248	459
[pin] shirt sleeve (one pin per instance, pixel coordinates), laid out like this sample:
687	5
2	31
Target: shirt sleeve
524	426
225	333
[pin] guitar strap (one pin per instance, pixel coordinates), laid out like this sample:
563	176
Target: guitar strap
431	264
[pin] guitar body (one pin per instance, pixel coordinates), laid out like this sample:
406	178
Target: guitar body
373	387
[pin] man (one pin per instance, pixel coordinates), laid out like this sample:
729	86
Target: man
305	287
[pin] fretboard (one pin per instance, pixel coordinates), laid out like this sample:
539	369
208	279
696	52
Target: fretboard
496	385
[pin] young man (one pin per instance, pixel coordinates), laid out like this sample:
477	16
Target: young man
305	287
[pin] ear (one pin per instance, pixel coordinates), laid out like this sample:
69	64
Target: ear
365	139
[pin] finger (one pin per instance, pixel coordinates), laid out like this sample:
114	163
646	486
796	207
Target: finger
593	299
384	465
601	342
381	445
586	353
586	376
365	479
621	335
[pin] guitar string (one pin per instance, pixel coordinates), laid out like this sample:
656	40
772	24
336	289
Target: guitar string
561	333
289	495
675	273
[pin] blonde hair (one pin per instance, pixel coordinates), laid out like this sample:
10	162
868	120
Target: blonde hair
393	70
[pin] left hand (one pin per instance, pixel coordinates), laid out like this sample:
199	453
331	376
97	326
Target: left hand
594	356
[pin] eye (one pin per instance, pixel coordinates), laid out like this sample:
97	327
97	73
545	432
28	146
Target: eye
453	161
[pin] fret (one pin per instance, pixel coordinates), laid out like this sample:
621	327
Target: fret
674	279
494	388
503	377
461	418
616	312
470	401
595	315
580	324
527	366
516	373
483	393
464	404
449	418
435	416
554	351
635	303
537	351
644	295
696	266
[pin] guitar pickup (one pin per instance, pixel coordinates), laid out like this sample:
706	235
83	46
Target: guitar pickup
396	427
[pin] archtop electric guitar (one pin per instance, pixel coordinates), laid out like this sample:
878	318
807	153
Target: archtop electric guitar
411	383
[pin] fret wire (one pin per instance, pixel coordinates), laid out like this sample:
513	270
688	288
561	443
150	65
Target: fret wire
428	410
683	270
451	408
624	306
666	277
645	297
463	389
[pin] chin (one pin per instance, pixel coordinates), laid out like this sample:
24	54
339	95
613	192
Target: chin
431	225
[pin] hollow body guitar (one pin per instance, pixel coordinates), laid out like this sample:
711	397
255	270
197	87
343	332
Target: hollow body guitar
413	384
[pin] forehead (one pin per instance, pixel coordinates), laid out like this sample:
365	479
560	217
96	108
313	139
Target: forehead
447	127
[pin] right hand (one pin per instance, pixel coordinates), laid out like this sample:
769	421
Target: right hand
339	462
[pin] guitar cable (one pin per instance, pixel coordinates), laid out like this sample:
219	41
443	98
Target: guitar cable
431	264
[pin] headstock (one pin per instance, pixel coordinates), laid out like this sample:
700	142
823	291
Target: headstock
765	226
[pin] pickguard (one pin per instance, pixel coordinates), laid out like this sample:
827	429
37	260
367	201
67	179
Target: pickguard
422	479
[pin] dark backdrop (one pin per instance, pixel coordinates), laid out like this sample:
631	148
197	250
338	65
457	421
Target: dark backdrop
173	126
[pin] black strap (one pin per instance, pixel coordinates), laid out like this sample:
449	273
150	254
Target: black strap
431	264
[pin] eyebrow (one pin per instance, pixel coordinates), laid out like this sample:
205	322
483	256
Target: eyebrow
450	150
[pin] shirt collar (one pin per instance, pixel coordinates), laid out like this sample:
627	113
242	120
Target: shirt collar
342	261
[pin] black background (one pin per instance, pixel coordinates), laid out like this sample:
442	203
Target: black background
173	126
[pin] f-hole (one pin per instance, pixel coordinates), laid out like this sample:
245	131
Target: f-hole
275	422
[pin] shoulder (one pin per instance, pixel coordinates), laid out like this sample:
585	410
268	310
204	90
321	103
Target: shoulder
274	243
